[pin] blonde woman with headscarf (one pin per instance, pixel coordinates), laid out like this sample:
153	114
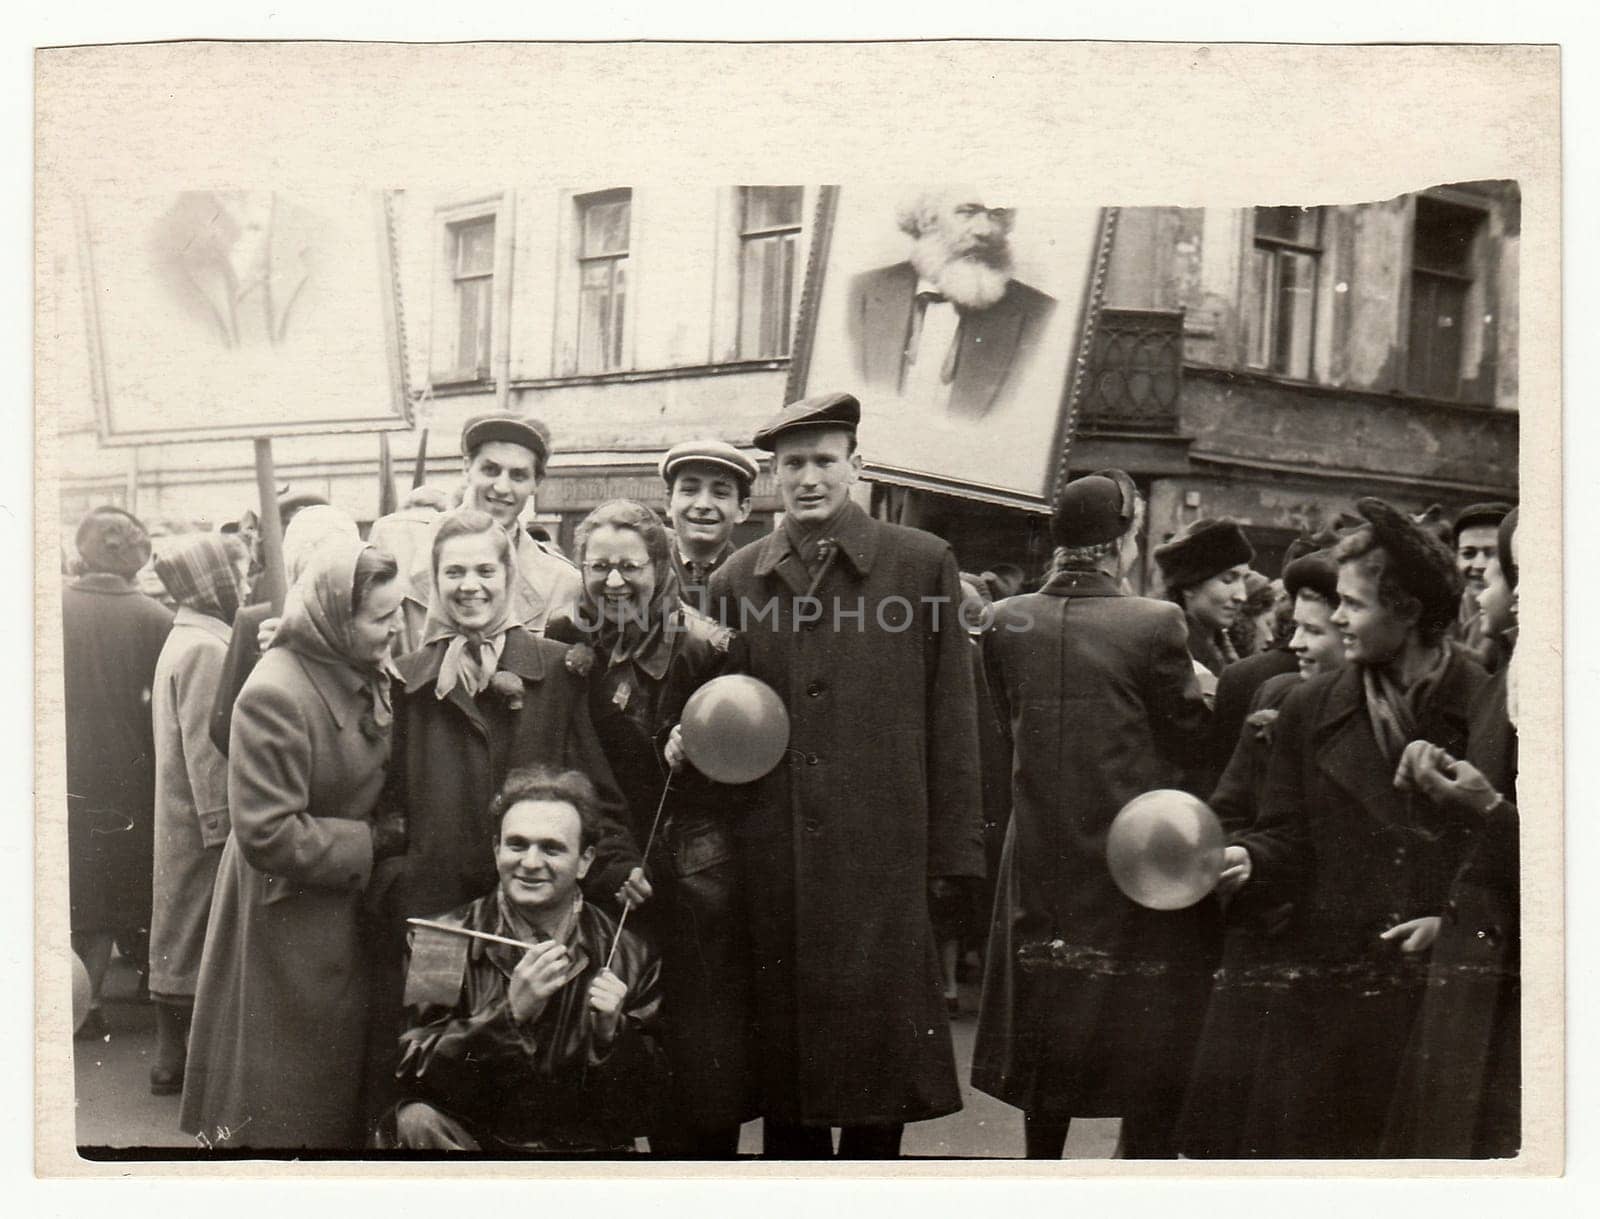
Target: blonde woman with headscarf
281	1016
311	526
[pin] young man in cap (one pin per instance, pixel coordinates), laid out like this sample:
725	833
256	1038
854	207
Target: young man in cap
1091	1003
1366	865
1476	537
708	494
503	462
854	623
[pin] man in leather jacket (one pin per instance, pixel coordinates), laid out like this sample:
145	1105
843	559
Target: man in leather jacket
549	1049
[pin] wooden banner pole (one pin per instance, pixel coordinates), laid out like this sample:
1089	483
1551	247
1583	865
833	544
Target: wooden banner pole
273	583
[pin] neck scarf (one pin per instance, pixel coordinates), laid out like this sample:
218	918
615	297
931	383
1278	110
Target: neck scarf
521	927
471	656
200	574
814	543
319	621
1395	710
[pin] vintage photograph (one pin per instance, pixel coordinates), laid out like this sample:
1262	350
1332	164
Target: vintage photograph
641	665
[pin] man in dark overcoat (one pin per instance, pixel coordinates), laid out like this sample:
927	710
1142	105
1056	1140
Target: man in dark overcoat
854	623
1091	1003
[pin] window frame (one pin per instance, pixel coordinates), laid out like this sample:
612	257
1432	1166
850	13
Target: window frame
747	236
1256	331
582	261
1463	281
445	366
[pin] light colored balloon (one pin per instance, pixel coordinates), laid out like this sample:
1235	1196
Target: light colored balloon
735	728
1165	849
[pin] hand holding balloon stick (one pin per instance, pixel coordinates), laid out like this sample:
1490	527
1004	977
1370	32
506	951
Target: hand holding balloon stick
1166	850
735	730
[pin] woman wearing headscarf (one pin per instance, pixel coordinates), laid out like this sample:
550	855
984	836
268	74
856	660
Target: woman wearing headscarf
281	1019
204	575
1366	866
311	526
481	696
643	653
111	638
1460	1095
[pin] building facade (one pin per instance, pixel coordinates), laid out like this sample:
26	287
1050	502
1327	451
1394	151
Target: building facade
1270	363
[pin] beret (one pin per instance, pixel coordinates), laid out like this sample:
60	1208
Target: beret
112	541
1306	544
824	410
288	505
1419	563
708	452
1508	530
530	433
1491	513
1208	546
1316	572
1092	510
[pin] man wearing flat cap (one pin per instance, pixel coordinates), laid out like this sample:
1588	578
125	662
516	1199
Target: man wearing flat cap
708	494
876	806
503	460
1366	864
1091	1002
1475	534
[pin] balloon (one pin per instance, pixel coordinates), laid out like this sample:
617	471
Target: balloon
80	992
1165	849
735	728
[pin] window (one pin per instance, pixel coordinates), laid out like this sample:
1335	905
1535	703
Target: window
1283	272
769	236
1442	248
603	228
471	250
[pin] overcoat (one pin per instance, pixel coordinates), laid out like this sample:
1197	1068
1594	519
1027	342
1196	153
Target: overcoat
111	638
1091	1002
696	916
1355	857
191	799
1460	1093
877	794
280	1022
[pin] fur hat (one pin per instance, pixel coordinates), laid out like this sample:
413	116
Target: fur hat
1418	561
1208	546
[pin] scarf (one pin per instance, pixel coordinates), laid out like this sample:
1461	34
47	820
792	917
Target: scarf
814	543
1394	710
521	928
319	621
311	527
200	574
472	655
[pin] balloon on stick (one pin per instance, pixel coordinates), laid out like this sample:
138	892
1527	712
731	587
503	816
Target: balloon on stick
735	728
1165	849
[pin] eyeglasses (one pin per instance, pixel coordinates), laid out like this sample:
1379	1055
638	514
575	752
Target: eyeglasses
627	569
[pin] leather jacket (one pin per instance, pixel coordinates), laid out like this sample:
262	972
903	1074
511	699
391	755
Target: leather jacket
548	1085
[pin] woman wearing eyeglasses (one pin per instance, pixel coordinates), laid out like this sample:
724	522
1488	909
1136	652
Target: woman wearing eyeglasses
643	653
480	696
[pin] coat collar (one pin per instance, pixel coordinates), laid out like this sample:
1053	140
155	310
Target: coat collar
104	582
521	655
1082	584
213	626
857	535
337	685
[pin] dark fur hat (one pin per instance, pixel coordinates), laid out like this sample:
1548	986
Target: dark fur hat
1209	546
1418	561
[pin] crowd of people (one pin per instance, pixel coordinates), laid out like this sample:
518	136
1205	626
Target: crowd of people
421	862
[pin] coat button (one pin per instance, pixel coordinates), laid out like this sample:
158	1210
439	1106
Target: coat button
812	759
813	826
814	689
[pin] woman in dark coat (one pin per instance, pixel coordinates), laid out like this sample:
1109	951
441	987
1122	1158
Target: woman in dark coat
281	1011
644	653
111	638
1460	1094
480	697
1204	572
1091	1003
1366	866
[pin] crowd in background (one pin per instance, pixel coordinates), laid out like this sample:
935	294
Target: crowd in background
451	721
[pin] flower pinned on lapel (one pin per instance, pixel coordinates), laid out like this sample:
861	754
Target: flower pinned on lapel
509	687
1262	723
580	659
370	728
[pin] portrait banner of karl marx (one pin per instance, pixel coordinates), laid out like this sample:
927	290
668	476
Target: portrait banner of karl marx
953	313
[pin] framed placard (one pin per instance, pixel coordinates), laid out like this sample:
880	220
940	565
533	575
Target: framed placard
248	313
957	315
